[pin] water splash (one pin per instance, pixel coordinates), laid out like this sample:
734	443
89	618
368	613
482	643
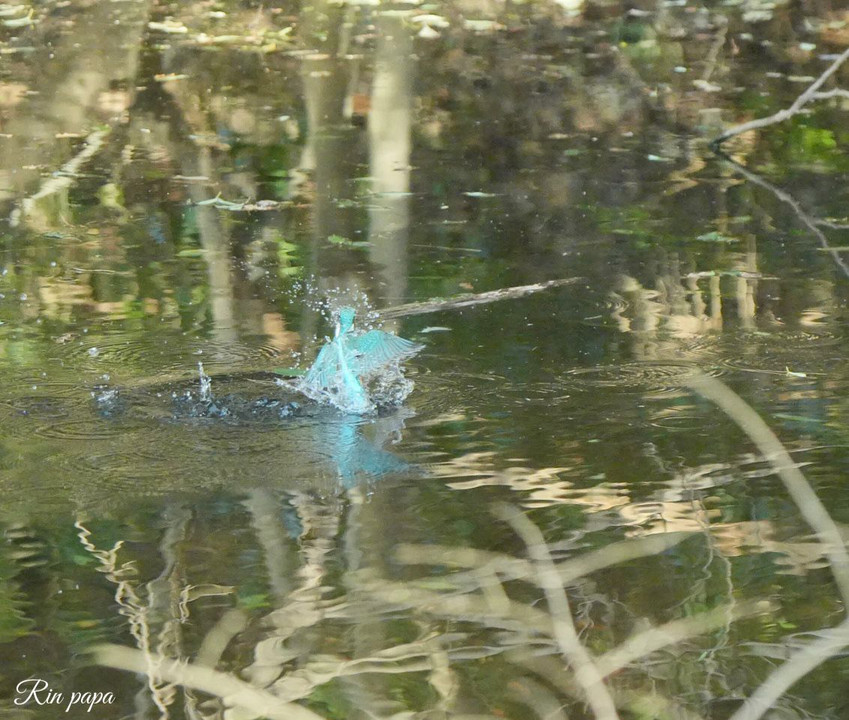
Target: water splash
205	395
359	372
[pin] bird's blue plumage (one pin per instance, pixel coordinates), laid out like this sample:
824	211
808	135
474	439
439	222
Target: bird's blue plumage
346	366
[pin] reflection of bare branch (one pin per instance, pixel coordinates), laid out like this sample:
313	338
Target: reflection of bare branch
810	506
467	299
513	568
833	93
810	94
815	514
799	665
395	660
587	674
216	640
716	46
62	179
229	688
643	643
537	697
832	225
806	219
647	704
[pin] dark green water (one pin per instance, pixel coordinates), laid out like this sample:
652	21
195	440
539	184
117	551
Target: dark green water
199	183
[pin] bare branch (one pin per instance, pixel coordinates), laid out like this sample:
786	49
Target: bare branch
803	99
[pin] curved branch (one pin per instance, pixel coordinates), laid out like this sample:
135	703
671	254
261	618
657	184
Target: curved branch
812	93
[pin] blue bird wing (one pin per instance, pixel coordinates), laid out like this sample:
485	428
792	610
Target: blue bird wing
325	368
330	378
376	348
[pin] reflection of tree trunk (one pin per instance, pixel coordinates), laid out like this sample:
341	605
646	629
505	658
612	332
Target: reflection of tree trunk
71	88
279	560
365	545
390	147
215	243
747	286
329	149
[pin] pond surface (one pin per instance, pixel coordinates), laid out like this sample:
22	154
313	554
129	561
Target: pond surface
207	182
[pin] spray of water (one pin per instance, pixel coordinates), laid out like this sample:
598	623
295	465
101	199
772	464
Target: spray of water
205	395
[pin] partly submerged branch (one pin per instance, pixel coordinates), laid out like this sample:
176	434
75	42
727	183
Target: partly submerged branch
812	93
468	299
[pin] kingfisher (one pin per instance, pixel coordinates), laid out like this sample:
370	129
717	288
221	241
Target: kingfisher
345	366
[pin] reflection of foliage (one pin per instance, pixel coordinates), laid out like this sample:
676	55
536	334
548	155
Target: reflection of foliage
807	145
14	622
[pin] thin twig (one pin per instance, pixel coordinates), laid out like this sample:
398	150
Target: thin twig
803	99
587	675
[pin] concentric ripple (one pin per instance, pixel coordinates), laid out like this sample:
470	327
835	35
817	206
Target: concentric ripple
636	377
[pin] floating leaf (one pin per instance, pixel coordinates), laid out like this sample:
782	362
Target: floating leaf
345	242
791	373
169	26
716	237
290	372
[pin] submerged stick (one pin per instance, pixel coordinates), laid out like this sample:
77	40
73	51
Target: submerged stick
468	299
812	93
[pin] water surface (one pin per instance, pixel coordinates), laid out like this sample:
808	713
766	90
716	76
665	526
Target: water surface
199	183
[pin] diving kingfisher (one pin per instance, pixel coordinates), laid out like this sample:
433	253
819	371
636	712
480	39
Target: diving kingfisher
345	365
